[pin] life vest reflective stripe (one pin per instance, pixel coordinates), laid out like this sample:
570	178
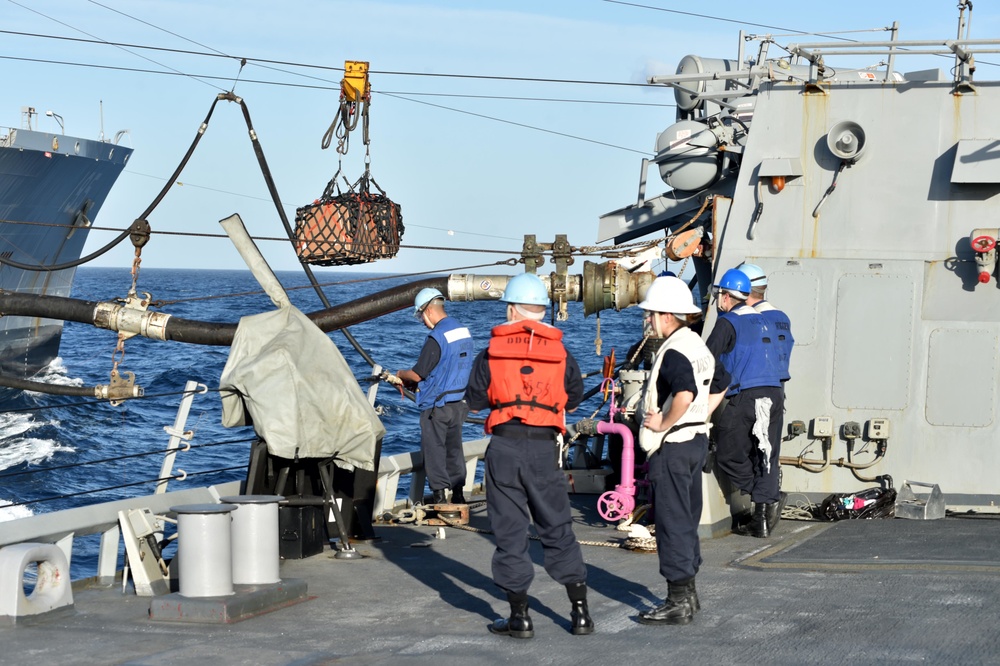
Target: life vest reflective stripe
527	363
695	418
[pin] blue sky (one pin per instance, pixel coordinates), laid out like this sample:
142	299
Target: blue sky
469	169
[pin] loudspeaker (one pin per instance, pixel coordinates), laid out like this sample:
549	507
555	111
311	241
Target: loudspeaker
846	141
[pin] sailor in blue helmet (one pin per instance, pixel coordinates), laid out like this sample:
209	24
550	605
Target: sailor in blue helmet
747	429
674	407
441	375
782	327
529	380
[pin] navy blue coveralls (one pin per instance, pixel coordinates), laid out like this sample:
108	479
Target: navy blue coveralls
675	473
445	362
747	349
523	483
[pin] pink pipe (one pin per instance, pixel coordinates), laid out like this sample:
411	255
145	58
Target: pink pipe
627	485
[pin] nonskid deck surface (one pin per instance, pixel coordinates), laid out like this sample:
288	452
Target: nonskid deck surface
417	599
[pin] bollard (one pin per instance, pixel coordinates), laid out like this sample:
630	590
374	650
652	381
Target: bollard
204	549
255	540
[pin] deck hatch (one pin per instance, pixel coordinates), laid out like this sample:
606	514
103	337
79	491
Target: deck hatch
961	377
874	339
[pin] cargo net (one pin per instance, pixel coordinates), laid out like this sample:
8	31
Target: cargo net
352	227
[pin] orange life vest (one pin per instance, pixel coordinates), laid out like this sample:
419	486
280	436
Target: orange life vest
527	375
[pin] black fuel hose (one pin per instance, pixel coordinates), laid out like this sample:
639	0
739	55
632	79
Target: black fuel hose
43	387
212	333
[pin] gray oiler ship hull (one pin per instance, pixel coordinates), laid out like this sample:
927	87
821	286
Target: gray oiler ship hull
51	189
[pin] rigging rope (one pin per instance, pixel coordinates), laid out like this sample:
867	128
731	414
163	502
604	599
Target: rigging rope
124	457
176	477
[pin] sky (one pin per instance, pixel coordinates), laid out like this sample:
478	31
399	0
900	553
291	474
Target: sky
475	154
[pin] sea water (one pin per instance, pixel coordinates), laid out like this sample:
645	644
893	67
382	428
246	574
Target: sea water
45	439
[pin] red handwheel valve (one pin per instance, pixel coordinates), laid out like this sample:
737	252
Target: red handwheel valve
984	247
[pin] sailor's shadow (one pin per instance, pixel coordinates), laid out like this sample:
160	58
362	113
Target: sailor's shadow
426	559
602	581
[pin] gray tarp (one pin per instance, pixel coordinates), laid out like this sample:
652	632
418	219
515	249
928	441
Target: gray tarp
297	391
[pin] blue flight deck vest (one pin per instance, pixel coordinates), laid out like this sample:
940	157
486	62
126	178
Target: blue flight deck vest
447	381
753	360
778	321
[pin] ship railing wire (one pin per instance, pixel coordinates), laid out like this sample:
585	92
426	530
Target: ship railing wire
65	527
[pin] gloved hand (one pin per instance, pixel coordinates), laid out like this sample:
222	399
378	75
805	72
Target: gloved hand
391	378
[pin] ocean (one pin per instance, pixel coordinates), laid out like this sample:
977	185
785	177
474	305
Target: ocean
60	452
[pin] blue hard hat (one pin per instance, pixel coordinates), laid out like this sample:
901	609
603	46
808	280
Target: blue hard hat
526	288
755	273
735	280
424	297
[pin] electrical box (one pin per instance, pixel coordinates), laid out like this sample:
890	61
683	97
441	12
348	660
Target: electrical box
852	430
796	428
822	426
878	429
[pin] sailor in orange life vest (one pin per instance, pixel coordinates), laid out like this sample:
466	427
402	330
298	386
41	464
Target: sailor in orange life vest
675	406
441	373
529	381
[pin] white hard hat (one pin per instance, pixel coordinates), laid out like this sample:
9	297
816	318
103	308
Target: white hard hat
669	294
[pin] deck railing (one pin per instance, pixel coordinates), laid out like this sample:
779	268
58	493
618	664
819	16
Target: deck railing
64	527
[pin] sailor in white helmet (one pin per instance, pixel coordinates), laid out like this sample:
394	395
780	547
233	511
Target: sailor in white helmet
675	408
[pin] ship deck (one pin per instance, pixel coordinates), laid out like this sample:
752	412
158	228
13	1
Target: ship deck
859	592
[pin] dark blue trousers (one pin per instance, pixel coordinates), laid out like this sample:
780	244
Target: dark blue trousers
441	444
737	454
524	483
675	472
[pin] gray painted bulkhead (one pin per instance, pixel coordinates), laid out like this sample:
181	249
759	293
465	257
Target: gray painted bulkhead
888	316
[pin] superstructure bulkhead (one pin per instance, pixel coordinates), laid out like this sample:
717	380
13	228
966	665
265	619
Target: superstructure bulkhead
870	198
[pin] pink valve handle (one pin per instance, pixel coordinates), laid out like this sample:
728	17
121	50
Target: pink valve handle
614	505
620	502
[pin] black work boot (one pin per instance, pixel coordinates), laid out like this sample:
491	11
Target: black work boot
742	511
518	625
774	510
458	495
579	616
676	609
693	597
758	523
439	497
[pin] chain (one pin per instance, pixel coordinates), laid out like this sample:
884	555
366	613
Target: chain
638	350
139	236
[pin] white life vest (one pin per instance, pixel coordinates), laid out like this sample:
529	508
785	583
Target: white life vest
695	419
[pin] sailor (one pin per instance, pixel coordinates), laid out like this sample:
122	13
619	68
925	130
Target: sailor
674	409
779	323
441	375
748	428
528	380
